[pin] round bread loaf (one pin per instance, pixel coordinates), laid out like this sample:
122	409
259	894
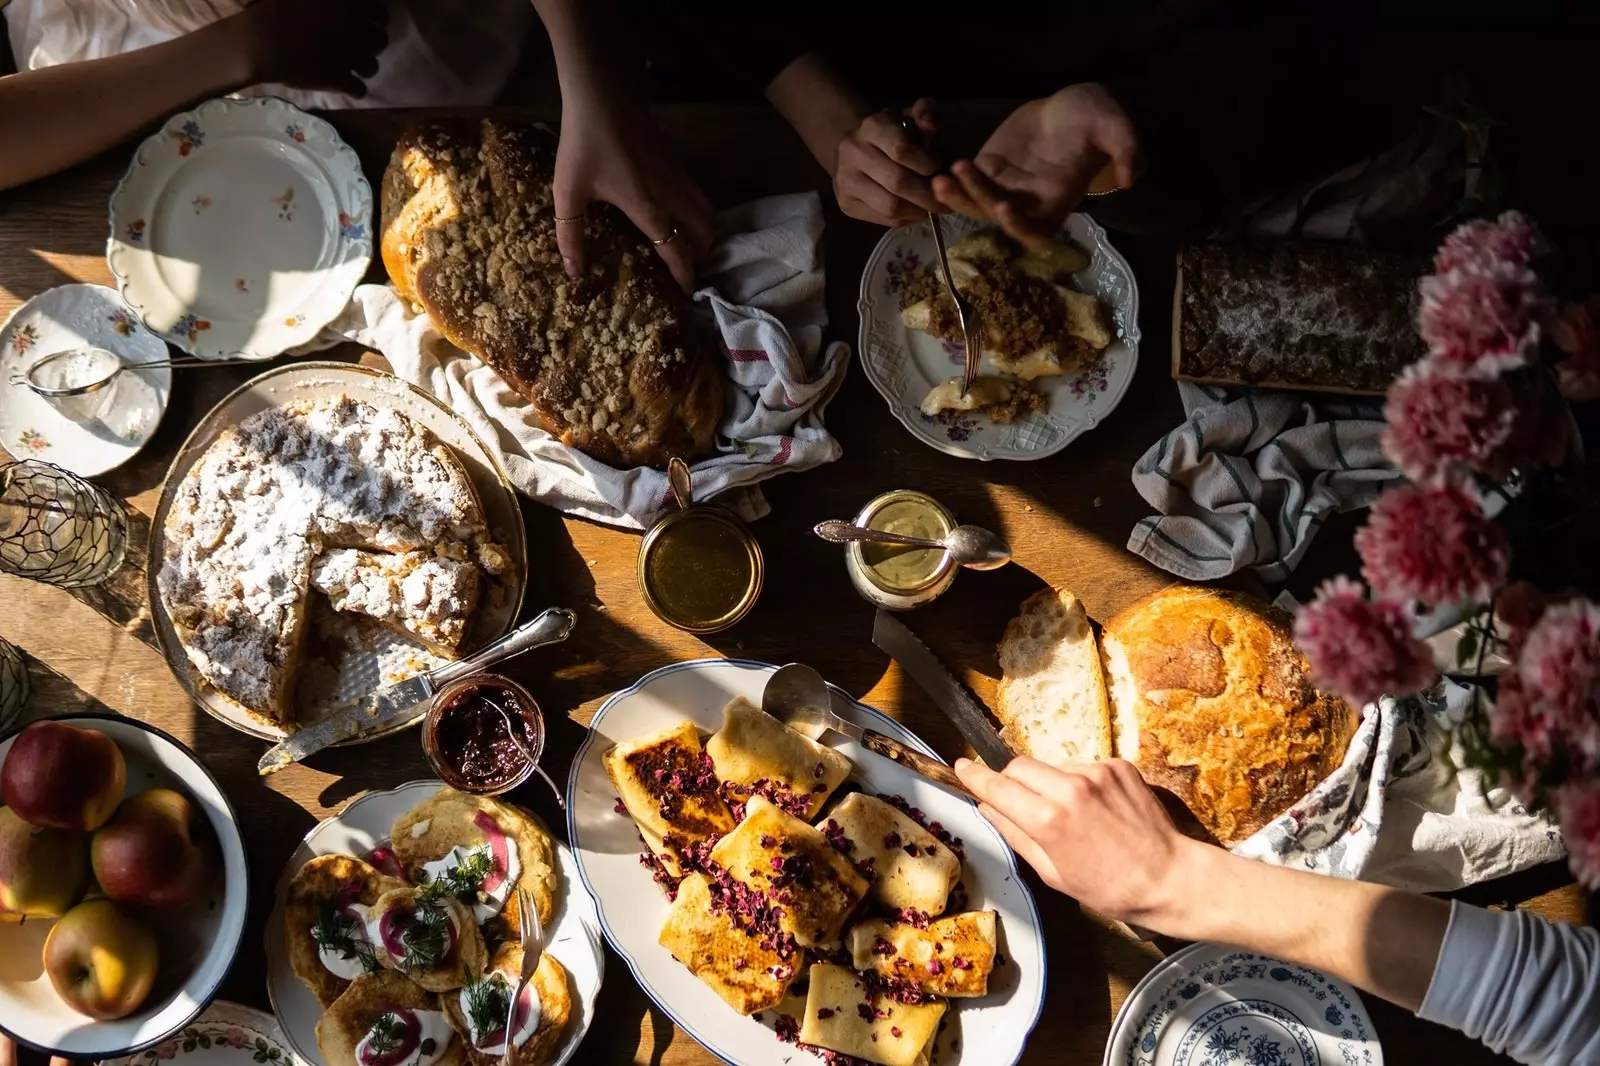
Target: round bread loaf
1211	699
610	360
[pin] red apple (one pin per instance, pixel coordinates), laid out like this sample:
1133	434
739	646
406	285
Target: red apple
101	960
62	777
42	871
157	850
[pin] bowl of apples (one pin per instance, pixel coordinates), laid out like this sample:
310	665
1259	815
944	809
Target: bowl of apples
123	886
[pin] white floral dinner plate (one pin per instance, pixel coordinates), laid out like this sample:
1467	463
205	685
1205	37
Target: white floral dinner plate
991	1031
72	316
241	228
1213	1005
905	363
227	1034
573	939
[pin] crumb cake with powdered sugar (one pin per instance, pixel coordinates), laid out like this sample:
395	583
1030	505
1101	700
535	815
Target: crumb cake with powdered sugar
349	497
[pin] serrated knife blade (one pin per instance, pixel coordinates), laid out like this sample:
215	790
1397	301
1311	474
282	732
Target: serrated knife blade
950	695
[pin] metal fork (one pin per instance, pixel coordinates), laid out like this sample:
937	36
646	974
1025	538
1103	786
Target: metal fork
531	930
966	314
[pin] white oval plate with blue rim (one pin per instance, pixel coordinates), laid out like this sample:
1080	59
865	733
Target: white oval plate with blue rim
990	1031
227	1034
72	316
903	364
573	938
240	228
1214	1005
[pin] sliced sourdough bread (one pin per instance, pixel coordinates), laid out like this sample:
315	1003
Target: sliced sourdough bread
1052	694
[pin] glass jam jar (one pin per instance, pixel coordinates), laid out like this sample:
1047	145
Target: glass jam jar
899	578
465	739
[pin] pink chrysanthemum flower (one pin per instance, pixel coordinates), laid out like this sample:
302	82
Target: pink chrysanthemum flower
1440	418
1361	648
1482	319
1435	545
1516	720
1578	805
1482	243
1559	666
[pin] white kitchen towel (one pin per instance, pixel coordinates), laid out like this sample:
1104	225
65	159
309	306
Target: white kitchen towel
1400	810
764	291
1251	475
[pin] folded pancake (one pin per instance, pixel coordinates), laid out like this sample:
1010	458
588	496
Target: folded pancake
744	964
478	1011
951	956
667	783
844	1014
517	852
913	870
430	937
754	752
786	861
381	1011
324	922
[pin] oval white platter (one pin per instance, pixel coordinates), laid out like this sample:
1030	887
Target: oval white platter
240	228
903	364
1214	1005
573	938
990	1031
349	673
197	943
227	1034
73	316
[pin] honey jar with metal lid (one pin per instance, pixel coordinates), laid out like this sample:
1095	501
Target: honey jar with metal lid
700	569
897	577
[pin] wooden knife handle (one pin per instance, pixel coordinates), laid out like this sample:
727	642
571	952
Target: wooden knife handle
916	762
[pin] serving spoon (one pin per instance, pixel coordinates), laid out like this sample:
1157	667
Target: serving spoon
971	546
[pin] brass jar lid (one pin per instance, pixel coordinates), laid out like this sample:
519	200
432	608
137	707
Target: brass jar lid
700	569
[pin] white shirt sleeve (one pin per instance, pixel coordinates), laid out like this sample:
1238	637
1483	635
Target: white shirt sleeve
1526	987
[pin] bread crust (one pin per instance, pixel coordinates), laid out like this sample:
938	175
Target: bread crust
1213	701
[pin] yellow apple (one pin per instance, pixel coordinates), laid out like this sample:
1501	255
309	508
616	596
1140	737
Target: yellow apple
42	871
101	960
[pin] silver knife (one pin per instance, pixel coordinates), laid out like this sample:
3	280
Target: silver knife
951	697
396	701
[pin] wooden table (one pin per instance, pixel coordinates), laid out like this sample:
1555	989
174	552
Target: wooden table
1068	518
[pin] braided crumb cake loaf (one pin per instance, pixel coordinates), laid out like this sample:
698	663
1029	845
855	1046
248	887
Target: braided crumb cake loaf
610	361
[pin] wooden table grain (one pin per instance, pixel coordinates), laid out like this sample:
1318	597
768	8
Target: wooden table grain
1067	517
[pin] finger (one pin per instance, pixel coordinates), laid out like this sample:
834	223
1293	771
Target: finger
365	67
1118	140
1042	777
900	182
922	113
1023	844
859	209
950	193
885	134
996	205
693	218
8	1051
880	205
1006	794
570	203
658	226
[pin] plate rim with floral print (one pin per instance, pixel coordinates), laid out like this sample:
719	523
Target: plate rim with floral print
214	255
901	362
213	1038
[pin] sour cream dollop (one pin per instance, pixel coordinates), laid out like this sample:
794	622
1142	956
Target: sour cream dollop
419	1038
529	1011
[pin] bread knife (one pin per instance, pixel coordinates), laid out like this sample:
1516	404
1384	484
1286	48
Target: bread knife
949	695
394	702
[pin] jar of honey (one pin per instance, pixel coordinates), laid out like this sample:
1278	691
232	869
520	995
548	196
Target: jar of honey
700	569
899	577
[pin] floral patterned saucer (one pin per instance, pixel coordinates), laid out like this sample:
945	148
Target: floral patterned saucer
904	364
72	316
241	228
1212	1005
227	1034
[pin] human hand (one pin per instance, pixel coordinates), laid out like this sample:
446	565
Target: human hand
882	170
1094	831
314	44
612	150
1038	164
8	1053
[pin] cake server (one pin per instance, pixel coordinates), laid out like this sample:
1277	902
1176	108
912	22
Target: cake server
396	701
951	697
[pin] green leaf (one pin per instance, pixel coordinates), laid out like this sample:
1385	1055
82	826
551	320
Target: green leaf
260	1056
261	1042
188	1045
205	1042
1466	647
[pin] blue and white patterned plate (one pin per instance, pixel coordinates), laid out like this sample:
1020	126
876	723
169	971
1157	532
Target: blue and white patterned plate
1212	1005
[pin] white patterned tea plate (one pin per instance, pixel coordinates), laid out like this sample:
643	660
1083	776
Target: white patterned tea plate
241	228
1214	1005
573	939
227	1034
75	316
990	1031
905	363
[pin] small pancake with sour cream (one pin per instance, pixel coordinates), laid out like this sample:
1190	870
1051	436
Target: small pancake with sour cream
325	922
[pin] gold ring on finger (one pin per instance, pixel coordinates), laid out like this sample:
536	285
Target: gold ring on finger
570	220
668	239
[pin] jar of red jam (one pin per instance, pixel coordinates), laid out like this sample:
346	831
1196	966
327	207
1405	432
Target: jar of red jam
465	738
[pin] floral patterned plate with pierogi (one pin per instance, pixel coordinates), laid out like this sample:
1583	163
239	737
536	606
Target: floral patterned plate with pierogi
240	228
1059	333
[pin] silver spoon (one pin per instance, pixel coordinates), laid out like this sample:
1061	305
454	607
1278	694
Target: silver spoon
56	392
971	546
527	753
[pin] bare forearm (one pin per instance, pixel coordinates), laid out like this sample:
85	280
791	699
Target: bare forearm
1381	940
819	106
585	59
55	117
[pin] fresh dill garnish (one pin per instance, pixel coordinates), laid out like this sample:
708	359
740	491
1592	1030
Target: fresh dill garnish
465	880
343	934
426	936
385	1034
487	1003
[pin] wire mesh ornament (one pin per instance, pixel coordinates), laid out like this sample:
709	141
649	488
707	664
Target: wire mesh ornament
58	528
13	685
